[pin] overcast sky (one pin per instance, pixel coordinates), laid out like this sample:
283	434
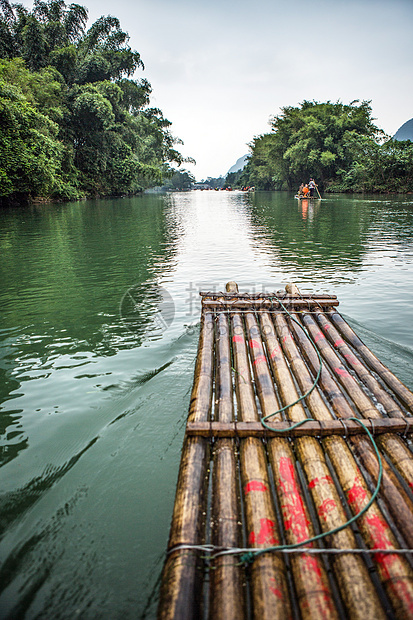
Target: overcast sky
220	68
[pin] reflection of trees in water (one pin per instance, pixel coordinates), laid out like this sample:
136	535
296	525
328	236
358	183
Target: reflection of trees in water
328	237
69	266
15	439
64	270
392	220
147	307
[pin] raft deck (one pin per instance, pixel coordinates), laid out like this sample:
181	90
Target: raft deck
243	487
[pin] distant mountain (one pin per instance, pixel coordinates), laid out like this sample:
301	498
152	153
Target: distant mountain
405	132
239	164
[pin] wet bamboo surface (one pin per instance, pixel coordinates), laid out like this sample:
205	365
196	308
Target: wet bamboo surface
241	485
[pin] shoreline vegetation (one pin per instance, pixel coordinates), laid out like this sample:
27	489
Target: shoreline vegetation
338	145
75	123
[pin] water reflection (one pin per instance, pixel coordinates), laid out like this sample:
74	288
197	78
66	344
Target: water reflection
58	263
308	208
315	242
63	272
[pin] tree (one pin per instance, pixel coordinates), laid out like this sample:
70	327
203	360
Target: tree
104	53
30	152
180	180
261	169
110	140
215	182
386	167
308	141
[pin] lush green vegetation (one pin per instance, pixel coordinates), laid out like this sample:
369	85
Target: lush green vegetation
180	180
73	121
337	144
215	182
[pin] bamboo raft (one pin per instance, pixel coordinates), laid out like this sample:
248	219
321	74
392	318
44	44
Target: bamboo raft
243	486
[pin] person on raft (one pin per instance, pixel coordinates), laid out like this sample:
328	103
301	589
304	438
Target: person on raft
311	186
300	190
305	191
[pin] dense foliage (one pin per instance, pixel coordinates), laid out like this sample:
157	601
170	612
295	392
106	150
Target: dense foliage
215	182
73	121
180	180
337	144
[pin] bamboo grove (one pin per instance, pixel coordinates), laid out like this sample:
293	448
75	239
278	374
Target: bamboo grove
74	122
336	143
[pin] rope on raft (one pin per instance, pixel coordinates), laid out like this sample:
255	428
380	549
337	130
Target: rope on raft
248	555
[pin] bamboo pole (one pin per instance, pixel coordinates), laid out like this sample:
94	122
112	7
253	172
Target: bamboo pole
269	591
397	501
405	395
226	591
398	452
391	408
310	579
265	303
356	587
180	595
231	293
394	571
393	446
313	428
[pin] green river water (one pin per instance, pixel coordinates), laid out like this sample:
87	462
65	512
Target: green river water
95	385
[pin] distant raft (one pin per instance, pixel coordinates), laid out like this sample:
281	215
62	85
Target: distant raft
307	197
294	429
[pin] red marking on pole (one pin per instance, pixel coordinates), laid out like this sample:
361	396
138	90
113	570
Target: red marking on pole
325	607
260	358
403	592
378	530
356	496
275	352
379	533
285	338
339	342
326	507
312	564
390	566
319	336
265	535
327	327
237	338
255	485
276	591
322	480
295	517
342	372
351	359
254	344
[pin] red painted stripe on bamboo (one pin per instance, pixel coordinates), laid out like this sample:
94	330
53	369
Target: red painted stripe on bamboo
399	586
295	514
261	359
255	485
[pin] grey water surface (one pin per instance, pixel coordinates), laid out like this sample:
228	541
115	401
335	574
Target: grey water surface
98	337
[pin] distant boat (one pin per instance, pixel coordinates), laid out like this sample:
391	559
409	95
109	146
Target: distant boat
306	197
